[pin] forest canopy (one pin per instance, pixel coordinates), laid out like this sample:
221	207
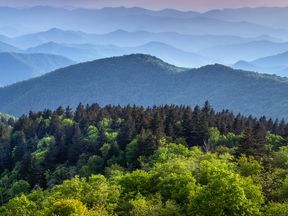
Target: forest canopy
166	160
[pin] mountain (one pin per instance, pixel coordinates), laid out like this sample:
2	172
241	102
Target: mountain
245	51
171	54
4	47
79	53
146	80
269	16
273	61
88	52
277	64
248	66
54	34
131	19
187	42
18	66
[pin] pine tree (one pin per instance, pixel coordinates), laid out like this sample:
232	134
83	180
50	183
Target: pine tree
76	147
253	141
147	143
68	112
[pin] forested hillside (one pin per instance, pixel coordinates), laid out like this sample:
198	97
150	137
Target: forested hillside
146	80
166	160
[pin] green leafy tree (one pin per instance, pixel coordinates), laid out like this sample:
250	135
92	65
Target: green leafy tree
68	207
19	206
225	193
279	209
19	187
280	158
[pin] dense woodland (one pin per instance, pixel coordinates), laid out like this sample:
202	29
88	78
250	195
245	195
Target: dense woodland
145	80
164	160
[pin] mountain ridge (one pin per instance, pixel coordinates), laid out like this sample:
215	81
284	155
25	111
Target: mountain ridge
276	64
147	81
182	22
20	66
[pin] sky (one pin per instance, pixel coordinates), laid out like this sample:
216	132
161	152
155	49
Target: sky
200	5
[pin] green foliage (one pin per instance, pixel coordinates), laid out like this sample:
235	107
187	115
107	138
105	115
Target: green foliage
92	134
19	187
105	123
248	166
68	207
43	147
174	180
279	209
67	123
153	206
111	136
274	140
94	165
280	158
136	161
131	152
61	173
135	183
225	193
214	135
19	206
94	191
105	149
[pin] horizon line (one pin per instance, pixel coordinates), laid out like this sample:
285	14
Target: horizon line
144	8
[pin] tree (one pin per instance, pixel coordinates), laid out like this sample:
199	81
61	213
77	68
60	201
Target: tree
127	132
147	143
248	166
19	187
76	145
19	142
280	158
137	182
19	206
279	209
174	181
68	112
91	138
131	153
253	142
67	207
260	137
225	193
274	140
95	164
157	125
187	125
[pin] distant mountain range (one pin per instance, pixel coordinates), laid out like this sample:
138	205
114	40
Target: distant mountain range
205	49
245	51
123	38
18	66
276	64
88	52
4	47
179	49
79	53
269	16
135	19
146	80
